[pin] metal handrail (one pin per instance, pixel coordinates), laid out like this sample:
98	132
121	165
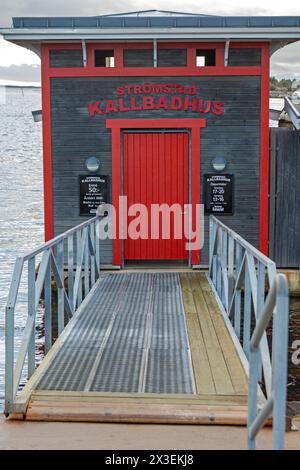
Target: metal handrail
77	250
278	298
240	273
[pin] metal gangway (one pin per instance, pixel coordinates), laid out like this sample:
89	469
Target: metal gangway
187	347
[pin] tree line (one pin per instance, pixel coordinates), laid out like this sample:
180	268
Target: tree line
285	83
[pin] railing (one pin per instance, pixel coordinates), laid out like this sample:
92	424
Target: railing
76	252
278	298
240	274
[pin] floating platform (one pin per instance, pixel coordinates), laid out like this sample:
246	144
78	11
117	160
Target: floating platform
142	348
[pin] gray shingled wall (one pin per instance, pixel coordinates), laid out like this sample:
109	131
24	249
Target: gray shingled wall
236	135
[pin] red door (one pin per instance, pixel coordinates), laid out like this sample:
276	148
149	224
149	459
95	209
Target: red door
155	173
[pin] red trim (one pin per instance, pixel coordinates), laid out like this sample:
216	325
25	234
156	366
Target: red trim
47	153
152	72
155	123
189	70
54	46
195	182
119	57
116	125
116	192
264	153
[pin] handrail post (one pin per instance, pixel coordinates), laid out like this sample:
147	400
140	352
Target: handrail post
31	311
280	344
97	243
9	358
48	308
10	335
251	269
252	392
70	268
60	293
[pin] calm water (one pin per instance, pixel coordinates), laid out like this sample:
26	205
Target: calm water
21	193
21	201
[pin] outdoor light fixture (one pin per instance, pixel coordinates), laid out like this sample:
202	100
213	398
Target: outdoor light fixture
219	163
37	115
92	164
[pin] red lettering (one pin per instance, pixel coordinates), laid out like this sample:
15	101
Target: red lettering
137	89
128	89
147	88
190	104
162	103
134	106
148	102
110	107
122	106
94	108
157	88
167	88
218	108
192	90
176	103
120	90
204	107
182	89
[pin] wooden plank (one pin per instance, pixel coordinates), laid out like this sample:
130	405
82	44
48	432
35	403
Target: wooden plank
139	413
219	370
237	373
206	325
134	403
89	397
187	295
201	366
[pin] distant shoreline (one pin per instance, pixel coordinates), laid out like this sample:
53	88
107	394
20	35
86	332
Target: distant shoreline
20	85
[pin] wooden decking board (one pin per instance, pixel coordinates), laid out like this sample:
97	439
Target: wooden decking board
139	413
39	397
224	364
234	365
201	366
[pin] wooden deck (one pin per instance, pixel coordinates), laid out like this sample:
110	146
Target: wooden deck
220	380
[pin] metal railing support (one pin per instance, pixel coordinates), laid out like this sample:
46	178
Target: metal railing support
55	255
238	269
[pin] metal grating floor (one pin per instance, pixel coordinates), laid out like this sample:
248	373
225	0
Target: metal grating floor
130	337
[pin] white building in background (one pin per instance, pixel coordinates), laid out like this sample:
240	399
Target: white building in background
296	85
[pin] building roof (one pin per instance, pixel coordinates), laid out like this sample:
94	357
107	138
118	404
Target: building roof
157	18
152	24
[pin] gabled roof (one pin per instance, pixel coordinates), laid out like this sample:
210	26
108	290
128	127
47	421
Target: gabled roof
153	24
160	20
153	13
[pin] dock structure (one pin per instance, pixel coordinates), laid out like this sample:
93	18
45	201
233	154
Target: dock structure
150	346
145	347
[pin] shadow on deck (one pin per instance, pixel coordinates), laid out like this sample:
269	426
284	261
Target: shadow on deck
142	347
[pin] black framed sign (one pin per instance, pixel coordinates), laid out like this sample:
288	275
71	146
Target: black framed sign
93	191
218	194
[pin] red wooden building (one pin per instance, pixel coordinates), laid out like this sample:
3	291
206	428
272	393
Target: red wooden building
160	107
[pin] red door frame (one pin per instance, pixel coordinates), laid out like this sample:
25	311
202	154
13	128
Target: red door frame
116	125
